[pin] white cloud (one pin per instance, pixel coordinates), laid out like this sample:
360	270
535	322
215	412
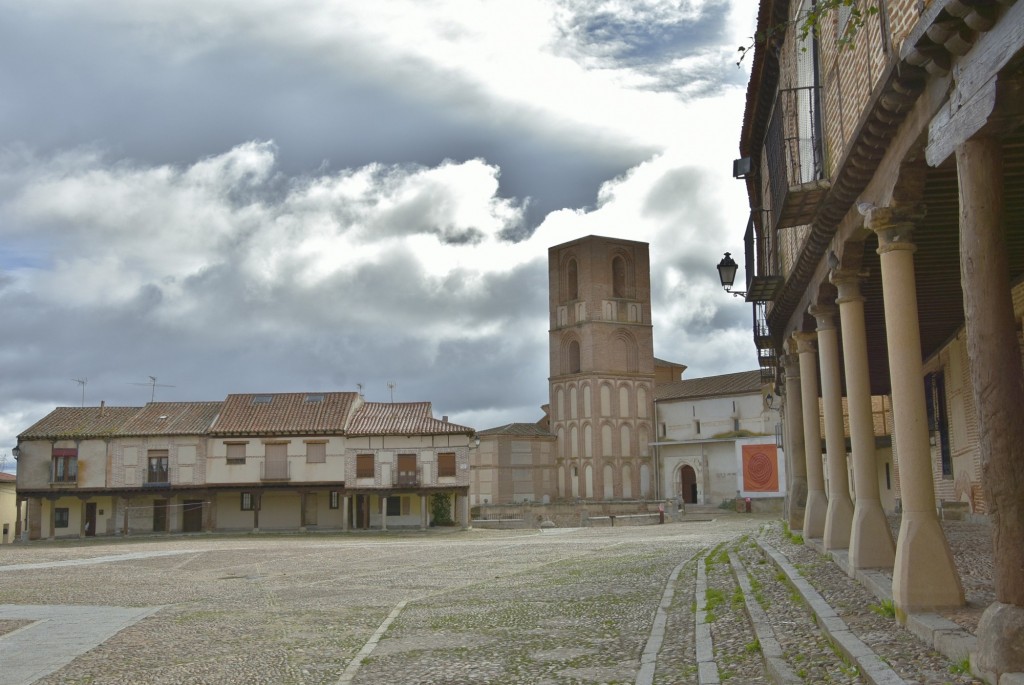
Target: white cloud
235	266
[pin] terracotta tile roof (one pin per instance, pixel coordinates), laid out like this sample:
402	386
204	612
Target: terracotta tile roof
526	430
296	413
7	477
80	422
741	383
172	418
662	362
400	418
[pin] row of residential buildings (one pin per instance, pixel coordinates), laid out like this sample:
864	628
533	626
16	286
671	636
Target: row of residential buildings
291	461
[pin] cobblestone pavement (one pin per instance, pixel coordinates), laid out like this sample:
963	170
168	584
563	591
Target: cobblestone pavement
566	606
552	607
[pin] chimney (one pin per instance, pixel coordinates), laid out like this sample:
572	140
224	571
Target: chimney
103	407
445	418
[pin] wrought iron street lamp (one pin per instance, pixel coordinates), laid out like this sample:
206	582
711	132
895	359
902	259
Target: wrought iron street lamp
727	274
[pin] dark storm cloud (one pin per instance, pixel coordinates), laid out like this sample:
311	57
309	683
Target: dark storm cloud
74	82
676	46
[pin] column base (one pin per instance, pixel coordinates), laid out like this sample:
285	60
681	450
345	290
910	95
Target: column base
814	514
924	576
1001	639
871	544
838	521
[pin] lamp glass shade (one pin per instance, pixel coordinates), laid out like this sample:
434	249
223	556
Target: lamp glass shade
727	270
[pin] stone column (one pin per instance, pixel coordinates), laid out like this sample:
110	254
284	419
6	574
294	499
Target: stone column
463	501
17	520
924	576
53	517
344	513
209	511
302	511
383	512
127	509
839	517
817	502
871	543
794	427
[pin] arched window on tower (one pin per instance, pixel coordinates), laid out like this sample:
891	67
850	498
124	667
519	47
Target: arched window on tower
618	276
572	280
574	357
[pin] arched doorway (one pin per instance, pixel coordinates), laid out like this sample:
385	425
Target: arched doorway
688	478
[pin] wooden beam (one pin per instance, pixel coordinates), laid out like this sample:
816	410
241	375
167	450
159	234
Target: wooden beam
951	128
996	108
992	51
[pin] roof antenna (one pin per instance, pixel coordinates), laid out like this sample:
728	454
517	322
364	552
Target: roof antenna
391	387
360	386
81	382
153	386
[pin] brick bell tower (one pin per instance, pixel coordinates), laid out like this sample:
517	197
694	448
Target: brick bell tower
602	368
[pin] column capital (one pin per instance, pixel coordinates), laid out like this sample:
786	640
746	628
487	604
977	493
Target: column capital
791	364
824	314
847	282
806	341
894	225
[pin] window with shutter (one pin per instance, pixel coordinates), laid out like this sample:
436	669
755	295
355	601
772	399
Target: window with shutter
364	466
316	452
446	465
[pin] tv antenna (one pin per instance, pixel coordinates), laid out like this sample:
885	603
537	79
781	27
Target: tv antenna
153	385
360	386
391	387
81	382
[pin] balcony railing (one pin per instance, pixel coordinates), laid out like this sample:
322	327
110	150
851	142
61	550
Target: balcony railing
766	355
408	479
794	158
64	479
273	470
762	262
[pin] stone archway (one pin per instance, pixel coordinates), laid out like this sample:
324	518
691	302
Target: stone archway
688	483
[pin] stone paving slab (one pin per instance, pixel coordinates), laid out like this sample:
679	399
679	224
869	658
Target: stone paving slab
56	636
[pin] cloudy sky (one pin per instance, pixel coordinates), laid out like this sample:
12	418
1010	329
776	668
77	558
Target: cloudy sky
256	195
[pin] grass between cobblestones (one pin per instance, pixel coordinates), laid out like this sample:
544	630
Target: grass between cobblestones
811	656
866	617
731	632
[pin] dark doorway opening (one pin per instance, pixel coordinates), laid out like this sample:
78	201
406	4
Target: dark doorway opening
192	516
160	515
90	519
689	484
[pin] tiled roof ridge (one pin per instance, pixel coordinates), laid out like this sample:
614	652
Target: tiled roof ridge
738	382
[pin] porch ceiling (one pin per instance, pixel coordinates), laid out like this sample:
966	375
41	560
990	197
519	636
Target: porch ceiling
937	261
